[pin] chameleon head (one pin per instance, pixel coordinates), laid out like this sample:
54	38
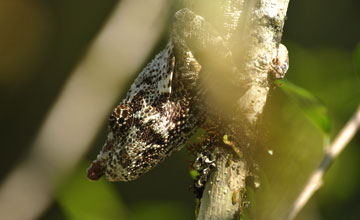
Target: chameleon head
120	121
138	140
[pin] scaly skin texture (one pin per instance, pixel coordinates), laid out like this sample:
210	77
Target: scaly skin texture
164	106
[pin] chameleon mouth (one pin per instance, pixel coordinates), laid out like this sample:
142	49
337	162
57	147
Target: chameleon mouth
96	171
98	166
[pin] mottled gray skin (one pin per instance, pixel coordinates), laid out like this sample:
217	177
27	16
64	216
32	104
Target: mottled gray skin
163	107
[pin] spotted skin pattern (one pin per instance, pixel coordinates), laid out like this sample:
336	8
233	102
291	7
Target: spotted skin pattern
160	112
164	106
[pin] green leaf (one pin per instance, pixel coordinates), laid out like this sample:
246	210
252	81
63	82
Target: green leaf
313	108
81	198
297	146
194	174
357	59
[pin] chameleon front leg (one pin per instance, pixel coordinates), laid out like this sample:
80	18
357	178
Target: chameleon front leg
219	78
191	32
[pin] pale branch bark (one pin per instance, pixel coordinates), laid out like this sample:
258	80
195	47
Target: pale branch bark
315	180
254	39
221	198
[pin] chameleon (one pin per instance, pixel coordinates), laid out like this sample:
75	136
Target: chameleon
165	104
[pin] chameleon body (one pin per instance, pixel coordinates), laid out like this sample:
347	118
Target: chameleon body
163	107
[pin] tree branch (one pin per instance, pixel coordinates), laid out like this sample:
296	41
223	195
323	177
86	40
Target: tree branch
255	33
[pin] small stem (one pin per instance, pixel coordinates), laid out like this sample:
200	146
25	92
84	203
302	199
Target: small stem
315	180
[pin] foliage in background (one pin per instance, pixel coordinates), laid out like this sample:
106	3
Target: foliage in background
357	60
80	198
312	107
321	65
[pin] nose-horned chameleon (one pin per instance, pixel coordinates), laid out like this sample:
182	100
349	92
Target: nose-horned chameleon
164	106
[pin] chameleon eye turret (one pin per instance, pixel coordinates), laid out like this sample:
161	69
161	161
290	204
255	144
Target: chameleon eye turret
120	119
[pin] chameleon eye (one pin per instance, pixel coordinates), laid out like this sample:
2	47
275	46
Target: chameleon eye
120	119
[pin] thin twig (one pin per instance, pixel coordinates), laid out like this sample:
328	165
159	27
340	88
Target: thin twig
315	180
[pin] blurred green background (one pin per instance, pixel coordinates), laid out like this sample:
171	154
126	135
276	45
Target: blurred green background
41	42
